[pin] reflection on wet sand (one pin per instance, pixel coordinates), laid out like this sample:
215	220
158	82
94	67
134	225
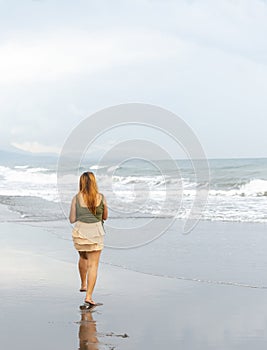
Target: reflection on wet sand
88	335
88	332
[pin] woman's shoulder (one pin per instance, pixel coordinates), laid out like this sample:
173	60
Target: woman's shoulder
76	197
101	198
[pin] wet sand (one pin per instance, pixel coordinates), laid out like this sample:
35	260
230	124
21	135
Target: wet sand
40	301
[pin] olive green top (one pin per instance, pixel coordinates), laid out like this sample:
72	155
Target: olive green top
83	214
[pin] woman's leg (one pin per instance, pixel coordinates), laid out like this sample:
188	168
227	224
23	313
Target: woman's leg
83	261
92	267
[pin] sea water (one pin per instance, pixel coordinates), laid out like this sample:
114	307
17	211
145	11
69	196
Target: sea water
227	247
237	188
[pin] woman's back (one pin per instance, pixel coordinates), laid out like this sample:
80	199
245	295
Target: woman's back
83	214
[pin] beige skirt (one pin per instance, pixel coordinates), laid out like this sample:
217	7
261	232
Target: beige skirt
88	237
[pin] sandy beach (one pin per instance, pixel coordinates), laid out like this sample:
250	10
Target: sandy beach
151	115
40	304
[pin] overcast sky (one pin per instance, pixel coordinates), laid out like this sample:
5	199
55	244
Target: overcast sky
204	60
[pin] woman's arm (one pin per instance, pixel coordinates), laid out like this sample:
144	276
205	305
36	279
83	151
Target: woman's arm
105	211
72	215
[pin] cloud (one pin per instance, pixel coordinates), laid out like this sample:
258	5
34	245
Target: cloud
237	27
35	147
68	53
203	59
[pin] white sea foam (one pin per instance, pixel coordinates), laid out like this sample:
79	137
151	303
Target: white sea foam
256	187
253	188
37	182
97	167
145	194
21	166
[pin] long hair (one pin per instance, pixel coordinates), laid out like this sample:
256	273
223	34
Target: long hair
89	190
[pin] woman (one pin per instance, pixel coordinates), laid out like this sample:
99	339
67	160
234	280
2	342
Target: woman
88	211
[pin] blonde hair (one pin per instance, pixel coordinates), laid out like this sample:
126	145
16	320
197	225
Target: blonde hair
89	190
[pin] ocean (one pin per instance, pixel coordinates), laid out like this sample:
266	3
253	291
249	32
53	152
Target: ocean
137	189
227	246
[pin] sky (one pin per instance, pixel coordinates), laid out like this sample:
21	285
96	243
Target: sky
204	60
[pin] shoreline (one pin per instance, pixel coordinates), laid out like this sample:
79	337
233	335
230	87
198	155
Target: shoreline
41	298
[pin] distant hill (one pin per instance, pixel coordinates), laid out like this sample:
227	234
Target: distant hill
20	157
